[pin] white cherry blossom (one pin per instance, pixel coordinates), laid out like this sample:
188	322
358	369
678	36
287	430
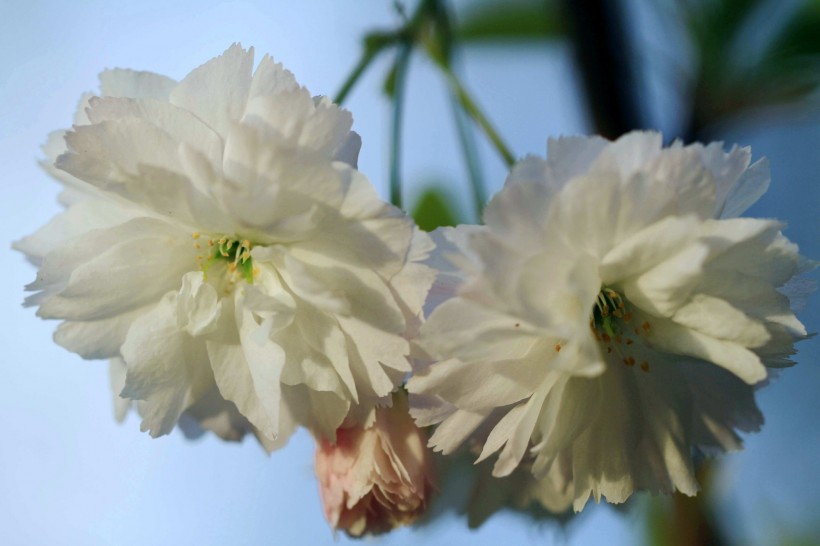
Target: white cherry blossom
614	318
220	247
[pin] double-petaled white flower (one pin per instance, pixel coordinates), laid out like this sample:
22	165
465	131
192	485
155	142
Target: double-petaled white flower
614	318
221	248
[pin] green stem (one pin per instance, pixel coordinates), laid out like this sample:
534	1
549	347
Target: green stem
472	109
374	43
367	56
442	48
402	60
468	150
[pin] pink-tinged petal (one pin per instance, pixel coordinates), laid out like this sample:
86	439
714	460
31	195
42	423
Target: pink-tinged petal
373	479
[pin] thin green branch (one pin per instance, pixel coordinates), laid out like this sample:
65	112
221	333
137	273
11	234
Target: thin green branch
353	77
472	109
374	43
468	149
402	61
442	47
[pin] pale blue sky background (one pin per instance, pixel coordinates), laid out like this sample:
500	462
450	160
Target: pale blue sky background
70	475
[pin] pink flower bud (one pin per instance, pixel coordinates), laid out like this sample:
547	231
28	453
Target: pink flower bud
376	478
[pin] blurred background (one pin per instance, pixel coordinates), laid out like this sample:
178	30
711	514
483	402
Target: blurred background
741	71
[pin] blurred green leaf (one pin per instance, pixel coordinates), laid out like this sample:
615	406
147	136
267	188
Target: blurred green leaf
796	48
715	27
503	20
718	21
801	37
389	85
433	209
728	81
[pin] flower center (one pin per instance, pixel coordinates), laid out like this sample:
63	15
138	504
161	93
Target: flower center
233	254
614	326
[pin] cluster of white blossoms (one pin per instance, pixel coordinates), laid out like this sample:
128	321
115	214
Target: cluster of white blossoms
610	320
614	316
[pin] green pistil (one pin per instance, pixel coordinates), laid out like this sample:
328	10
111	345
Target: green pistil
237	255
609	306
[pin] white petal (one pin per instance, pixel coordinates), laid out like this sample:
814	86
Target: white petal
664	288
376	348
217	91
97	338
107	152
465	330
136	160
629	154
248	372
454	430
479	385
750	187
116	373
120	82
287	421
569	157
671	337
348	150
110	271
214	413
757	248
300	121
512	210
646	248
412	284
180	124
327	411
167	369
270	78
80	218
513	432
717	318
267	184
198	305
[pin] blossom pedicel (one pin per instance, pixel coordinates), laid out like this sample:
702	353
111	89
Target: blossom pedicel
219	246
615	316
